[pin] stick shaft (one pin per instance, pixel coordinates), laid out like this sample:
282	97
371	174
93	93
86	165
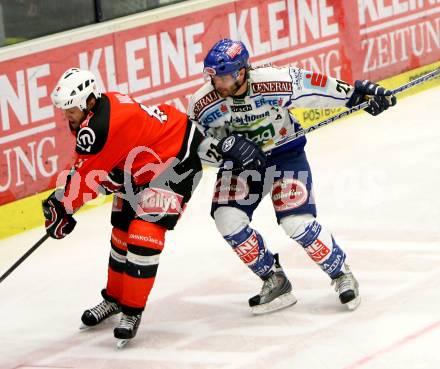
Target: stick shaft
24	257
356	108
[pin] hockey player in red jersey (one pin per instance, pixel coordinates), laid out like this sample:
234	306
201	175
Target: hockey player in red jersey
148	157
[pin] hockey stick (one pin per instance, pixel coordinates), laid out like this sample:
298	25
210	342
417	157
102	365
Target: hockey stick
356	108
24	257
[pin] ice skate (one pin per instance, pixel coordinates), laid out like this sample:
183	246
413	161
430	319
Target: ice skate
348	288
127	329
275	293
98	314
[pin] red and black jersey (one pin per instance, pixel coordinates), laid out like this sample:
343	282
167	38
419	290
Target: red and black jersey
121	133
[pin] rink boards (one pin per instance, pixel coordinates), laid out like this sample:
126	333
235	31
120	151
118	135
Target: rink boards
157	57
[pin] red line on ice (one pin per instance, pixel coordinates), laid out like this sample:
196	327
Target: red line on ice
395	345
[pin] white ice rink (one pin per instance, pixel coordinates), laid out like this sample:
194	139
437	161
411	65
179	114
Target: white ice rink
377	184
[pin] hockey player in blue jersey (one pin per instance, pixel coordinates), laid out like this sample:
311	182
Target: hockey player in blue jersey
243	112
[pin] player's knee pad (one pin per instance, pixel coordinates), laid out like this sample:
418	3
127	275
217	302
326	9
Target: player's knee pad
230	220
247	243
294	225
316	240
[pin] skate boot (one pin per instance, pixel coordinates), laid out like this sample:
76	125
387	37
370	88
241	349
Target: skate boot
99	313
275	293
348	288
127	329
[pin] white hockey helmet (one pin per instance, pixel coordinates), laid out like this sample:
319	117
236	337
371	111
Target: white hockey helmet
73	89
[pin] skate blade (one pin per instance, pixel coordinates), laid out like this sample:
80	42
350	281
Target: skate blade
84	327
121	343
279	303
353	304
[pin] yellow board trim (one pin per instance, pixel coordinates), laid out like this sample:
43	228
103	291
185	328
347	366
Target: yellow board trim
25	214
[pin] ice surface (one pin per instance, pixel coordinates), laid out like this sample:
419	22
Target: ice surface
377	181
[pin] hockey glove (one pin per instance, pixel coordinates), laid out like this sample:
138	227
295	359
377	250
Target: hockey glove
113	183
244	153
380	98
58	223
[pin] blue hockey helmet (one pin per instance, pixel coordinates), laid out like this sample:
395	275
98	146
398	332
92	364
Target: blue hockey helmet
226	57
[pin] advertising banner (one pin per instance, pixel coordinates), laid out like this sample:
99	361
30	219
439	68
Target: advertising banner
162	61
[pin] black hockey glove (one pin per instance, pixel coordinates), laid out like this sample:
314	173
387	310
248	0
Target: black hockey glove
244	153
380	98
58	223
113	183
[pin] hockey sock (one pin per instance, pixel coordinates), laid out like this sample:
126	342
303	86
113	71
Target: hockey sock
145	243
249	246
320	245
116	263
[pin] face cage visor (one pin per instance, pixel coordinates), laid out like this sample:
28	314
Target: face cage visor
209	73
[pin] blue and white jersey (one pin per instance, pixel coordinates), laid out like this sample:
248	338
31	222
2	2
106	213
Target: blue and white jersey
262	115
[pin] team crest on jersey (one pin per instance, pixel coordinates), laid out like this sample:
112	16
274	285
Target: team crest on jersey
85	139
